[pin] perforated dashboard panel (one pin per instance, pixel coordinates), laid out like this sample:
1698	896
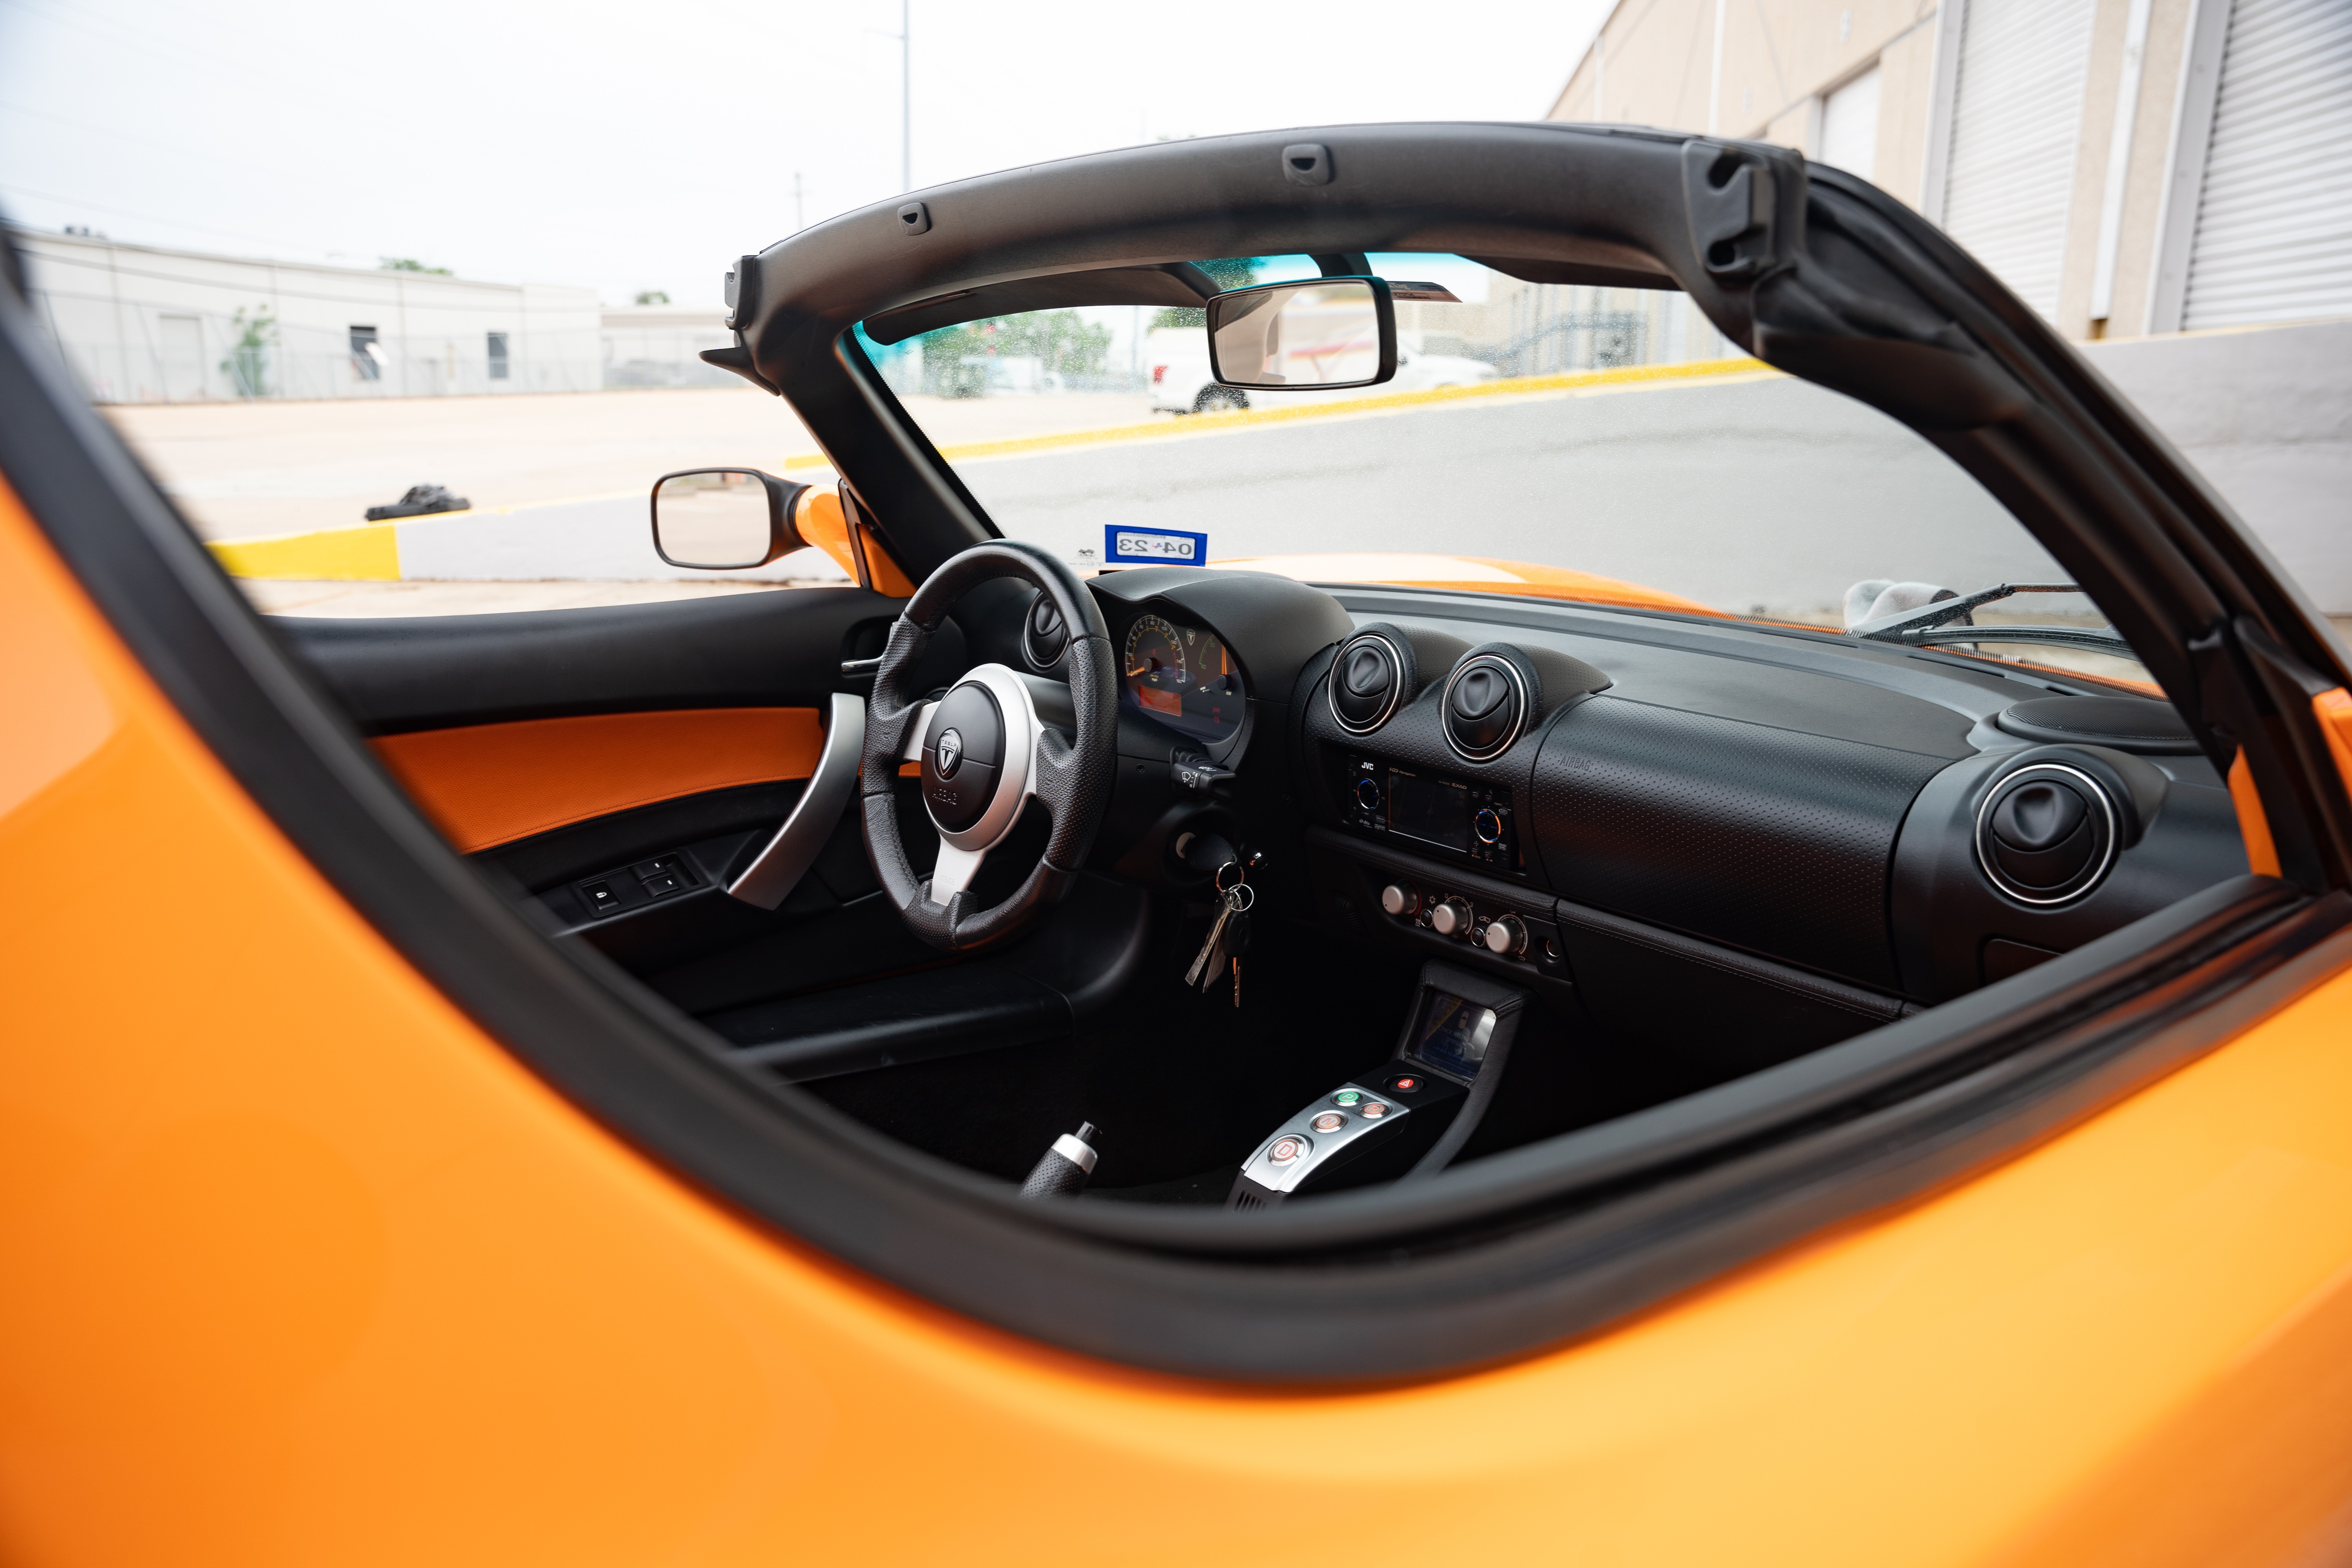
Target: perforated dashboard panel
1770	839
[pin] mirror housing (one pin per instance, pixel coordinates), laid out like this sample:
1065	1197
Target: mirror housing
1317	334
724	520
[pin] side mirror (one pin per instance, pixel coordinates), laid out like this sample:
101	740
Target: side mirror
1331	331
723	520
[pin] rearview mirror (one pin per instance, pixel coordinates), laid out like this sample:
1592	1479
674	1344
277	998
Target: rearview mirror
723	520
1331	331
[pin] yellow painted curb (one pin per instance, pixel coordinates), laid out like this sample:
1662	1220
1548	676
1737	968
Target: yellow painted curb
371	552
335	555
1516	386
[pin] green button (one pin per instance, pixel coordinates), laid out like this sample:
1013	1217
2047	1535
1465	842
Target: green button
1345	1097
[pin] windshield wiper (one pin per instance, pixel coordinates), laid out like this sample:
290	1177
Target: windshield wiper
1933	625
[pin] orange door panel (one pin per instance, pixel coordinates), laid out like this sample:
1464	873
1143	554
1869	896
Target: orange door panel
492	783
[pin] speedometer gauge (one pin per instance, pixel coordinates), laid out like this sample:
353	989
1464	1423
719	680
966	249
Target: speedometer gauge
1153	669
1184	677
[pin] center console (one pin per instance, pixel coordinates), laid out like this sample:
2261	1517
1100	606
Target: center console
1409	1116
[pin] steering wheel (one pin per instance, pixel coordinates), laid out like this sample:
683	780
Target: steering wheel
988	747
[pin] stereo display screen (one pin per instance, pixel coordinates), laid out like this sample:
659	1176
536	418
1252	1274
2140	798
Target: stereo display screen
1430	810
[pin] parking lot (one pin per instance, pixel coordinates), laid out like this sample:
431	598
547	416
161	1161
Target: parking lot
1670	480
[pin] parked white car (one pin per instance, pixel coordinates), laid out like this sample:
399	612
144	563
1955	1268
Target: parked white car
1180	382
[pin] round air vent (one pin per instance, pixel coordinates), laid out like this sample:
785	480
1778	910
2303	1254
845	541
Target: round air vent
1488	699
2046	833
1372	676
1043	635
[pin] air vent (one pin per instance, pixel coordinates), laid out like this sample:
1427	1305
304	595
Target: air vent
2047	835
1488	699
1372	676
1043	635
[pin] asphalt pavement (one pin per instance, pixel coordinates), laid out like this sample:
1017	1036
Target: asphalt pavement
1740	493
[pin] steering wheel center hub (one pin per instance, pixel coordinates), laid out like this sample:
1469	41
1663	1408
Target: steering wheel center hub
965	752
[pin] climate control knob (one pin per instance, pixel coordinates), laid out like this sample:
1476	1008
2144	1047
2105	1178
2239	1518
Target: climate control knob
1451	917
1401	898
1506	937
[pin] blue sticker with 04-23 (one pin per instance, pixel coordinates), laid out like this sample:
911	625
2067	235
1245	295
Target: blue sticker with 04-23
1153	547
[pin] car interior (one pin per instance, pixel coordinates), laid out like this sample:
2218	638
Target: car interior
1673	850
1227	969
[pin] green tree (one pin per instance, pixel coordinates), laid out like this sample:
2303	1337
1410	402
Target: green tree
1231	272
410	263
652	297
248	366
1065	342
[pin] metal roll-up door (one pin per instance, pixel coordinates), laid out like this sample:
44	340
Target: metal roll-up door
2275	216
2017	119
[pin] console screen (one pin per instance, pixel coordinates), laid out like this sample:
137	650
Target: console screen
1430	810
1451	1035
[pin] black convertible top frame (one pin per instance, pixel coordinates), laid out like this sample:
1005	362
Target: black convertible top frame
1816	272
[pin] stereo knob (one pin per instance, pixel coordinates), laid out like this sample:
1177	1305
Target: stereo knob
1451	917
1506	937
1488	825
1367	793
1401	898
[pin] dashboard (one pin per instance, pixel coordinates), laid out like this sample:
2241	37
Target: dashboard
1535	781
1184	676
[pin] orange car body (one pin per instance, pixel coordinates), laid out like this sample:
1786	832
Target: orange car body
304	1267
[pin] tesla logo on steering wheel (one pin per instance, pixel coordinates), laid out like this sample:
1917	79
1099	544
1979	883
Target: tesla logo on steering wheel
950	751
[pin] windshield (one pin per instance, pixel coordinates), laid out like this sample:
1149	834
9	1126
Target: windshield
1603	445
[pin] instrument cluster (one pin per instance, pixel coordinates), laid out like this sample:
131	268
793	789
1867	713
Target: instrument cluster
1183	675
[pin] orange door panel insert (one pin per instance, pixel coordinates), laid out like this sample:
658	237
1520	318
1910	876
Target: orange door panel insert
491	784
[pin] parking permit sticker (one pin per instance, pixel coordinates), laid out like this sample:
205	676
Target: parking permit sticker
1153	547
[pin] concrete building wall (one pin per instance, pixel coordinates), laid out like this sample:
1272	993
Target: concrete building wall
2266	415
146	324
1765	70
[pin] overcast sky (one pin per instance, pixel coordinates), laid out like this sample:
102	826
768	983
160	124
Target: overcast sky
645	146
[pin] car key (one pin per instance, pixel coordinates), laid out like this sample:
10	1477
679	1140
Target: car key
1231	905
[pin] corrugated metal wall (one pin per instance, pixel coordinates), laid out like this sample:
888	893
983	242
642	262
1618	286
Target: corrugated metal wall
2275	217
2017	121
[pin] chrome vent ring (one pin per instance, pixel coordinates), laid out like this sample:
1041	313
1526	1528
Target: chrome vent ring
1486	705
2047	834
1372	676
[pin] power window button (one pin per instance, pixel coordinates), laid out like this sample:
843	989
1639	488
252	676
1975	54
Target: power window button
665	875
